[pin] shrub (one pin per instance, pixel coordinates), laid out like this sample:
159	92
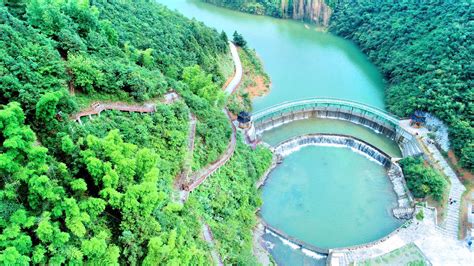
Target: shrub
423	180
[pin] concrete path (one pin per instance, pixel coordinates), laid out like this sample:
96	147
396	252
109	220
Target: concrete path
188	160
438	249
234	83
198	177
450	225
206	232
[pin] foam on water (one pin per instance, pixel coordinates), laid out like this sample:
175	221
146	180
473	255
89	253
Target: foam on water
285	241
312	254
295	144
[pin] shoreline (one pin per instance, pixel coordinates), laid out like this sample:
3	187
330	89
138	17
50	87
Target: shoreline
260	251
261	227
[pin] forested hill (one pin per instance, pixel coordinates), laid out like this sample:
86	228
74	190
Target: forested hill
426	51
315	11
102	192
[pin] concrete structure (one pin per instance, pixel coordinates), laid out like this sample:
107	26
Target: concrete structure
376	119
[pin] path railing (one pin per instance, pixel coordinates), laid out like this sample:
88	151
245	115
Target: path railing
326	101
198	177
97	107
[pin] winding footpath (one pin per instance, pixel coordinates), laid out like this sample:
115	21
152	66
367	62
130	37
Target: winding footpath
450	225
234	83
188	161
207	234
198	177
186	182
97	107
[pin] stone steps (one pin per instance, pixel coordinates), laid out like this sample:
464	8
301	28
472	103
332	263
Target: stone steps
409	148
450	226
403	213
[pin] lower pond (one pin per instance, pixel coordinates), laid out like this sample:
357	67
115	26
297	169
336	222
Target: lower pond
329	197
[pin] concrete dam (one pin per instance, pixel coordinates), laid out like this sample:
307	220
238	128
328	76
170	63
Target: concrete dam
376	119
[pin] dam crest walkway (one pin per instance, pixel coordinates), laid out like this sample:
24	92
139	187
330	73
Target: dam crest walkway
374	118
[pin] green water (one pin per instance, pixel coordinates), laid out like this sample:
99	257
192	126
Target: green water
327	202
327	196
315	125
301	62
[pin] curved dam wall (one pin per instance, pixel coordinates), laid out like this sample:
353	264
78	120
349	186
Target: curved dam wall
287	147
375	120
340	114
404	210
394	171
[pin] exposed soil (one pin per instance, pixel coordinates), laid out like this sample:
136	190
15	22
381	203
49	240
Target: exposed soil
228	81
462	173
258	89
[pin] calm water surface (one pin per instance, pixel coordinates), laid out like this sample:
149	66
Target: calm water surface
301	62
327	196
326	202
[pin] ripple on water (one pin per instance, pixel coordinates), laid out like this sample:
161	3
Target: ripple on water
329	197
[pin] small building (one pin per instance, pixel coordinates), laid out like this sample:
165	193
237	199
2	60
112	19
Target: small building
418	119
244	119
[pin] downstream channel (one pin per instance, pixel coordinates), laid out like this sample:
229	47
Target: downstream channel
327	196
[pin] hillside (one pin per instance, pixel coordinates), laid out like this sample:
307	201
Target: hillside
102	192
314	11
425	51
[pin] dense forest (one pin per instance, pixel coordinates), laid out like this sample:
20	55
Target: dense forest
316	11
425	50
103	192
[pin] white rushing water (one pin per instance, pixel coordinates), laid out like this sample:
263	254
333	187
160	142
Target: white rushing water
283	240
287	147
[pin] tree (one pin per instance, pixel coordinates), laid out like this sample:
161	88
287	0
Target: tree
202	85
239	40
423	180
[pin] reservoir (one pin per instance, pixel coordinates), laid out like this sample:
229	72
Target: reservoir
326	196
301	62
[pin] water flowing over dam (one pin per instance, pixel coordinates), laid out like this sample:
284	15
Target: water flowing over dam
354	144
301	194
376	119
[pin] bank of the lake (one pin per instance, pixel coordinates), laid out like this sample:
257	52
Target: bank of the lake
301	63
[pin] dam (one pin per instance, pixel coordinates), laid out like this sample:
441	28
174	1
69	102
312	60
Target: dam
376	119
334	196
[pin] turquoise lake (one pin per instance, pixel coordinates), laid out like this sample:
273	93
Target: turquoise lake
326	196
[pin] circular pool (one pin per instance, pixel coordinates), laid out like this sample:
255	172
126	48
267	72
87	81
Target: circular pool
329	197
